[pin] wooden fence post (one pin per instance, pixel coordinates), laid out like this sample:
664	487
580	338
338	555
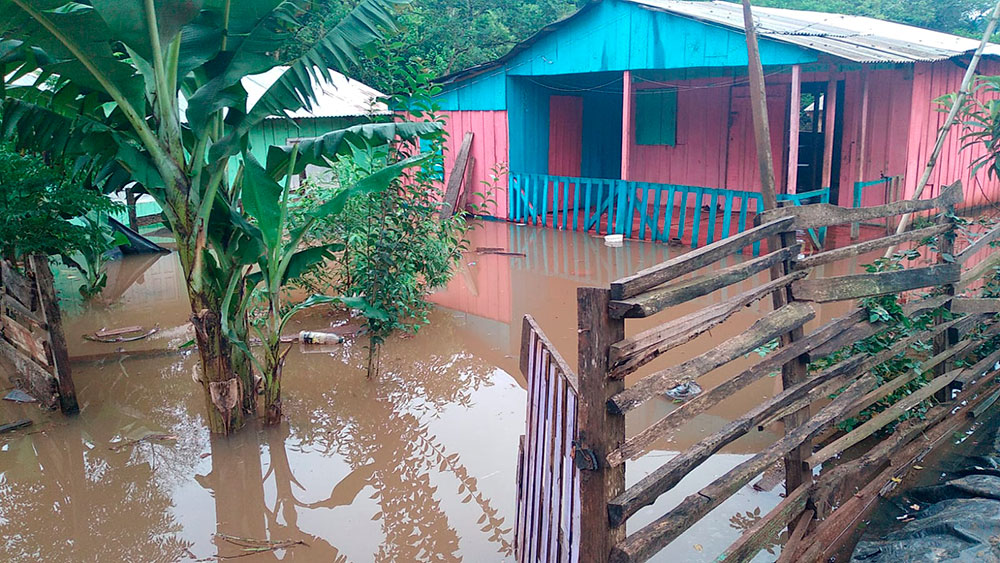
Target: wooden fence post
599	432
48	304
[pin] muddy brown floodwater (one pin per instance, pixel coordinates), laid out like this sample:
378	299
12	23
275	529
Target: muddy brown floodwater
417	465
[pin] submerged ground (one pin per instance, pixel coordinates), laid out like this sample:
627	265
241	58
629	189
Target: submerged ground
419	464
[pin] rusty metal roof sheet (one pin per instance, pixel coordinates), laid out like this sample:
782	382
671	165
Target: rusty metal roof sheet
854	38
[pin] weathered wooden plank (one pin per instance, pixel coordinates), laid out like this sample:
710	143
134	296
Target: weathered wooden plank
763	331
672	269
635	352
48	304
649	488
23	338
767	528
819	215
16	425
842	288
978	271
30	376
883	418
646	542
598	431
973	373
21	312
867	246
457	176
965	305
981	243
652	302
17	285
795	538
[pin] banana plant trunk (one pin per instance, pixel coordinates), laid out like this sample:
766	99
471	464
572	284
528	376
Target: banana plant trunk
226	373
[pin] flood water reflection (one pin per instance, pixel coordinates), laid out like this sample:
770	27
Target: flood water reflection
416	465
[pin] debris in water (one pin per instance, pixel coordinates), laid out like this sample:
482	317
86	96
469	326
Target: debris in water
614	241
127	334
16	425
148	438
251	546
684	391
310	337
674	241
19	396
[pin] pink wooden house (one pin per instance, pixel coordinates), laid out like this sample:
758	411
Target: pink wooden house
633	116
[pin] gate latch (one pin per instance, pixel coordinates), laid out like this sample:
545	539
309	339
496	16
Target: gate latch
584	459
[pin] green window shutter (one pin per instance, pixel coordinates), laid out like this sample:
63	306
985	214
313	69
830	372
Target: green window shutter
656	117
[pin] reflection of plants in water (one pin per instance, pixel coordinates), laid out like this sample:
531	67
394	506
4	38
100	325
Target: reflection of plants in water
746	520
489	520
64	502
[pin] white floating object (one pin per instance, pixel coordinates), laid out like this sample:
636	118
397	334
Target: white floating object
614	240
307	337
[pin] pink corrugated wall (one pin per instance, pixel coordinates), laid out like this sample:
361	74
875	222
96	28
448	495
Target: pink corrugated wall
930	81
489	147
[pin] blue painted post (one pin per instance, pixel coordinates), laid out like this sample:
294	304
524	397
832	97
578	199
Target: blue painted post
682	208
727	214
712	216
630	219
611	205
576	204
643	210
545	198
657	234
668	217
565	182
696	223
586	206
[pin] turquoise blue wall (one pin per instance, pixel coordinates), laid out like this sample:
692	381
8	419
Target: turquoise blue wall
528	125
614	36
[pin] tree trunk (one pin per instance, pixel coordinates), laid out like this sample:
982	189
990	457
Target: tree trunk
272	395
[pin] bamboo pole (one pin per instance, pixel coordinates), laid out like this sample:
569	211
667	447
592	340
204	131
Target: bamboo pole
793	372
963	94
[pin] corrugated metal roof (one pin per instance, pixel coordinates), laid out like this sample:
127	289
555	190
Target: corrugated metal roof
854	38
342	97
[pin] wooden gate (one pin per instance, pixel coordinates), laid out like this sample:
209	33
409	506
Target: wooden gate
31	334
548	503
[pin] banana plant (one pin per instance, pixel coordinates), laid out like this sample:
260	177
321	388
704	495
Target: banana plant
277	257
153	88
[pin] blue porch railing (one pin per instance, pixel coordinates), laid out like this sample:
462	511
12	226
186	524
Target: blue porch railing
668	212
886	184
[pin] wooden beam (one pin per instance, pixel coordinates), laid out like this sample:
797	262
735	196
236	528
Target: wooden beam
863	139
763	331
628	120
674	268
977	272
598	430
794	111
646	542
21	311
795	538
457	176
634	352
867	246
49	306
17	285
842	288
30	376
763	531
652	302
829	126
979	244
819	215
965	305
530	326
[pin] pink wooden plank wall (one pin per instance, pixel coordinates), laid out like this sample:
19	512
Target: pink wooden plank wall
704	136
489	147
565	135
931	81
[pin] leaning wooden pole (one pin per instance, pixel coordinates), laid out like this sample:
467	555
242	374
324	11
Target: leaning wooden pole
963	95
795	371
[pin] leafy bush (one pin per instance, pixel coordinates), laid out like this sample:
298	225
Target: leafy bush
37	201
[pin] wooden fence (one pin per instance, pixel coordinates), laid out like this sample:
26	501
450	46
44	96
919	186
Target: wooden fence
31	334
606	357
